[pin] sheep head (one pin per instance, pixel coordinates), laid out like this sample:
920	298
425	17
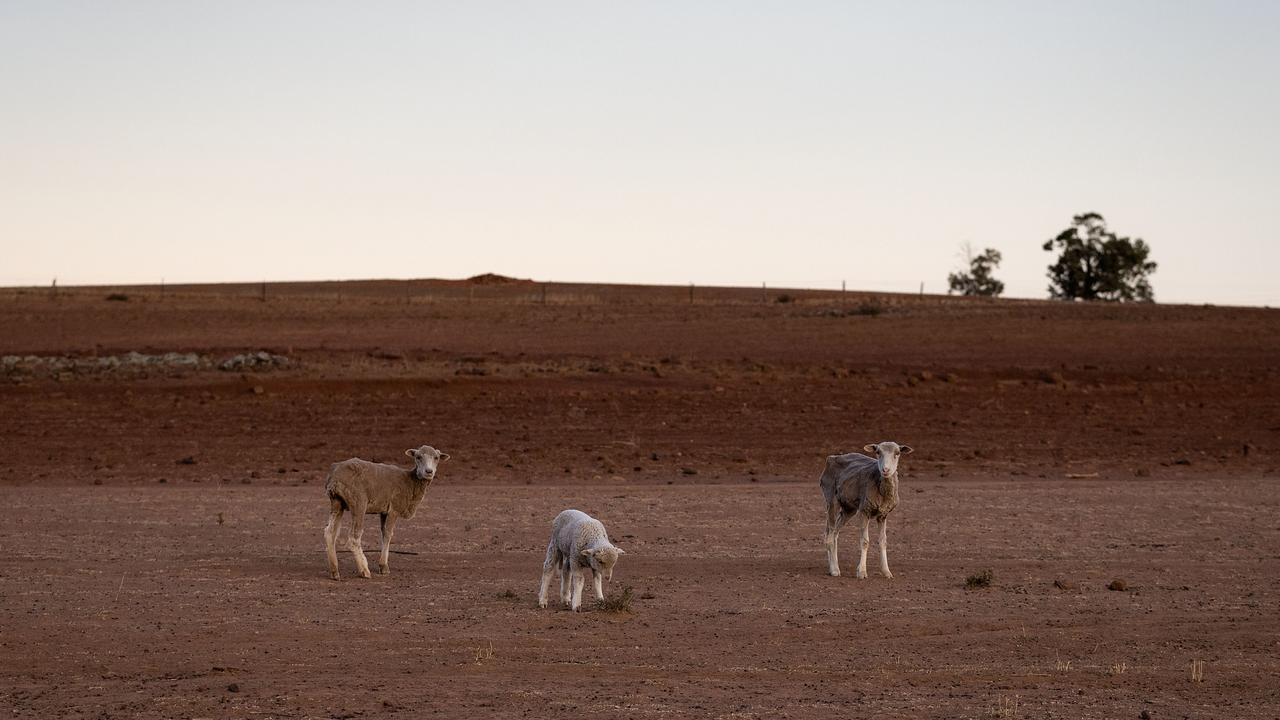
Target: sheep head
887	455
425	461
603	559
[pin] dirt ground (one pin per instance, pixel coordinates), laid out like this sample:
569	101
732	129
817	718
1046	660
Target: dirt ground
163	555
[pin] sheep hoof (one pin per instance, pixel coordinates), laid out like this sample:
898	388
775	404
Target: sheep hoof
834	573
384	570
888	575
862	574
365	573
542	604
335	576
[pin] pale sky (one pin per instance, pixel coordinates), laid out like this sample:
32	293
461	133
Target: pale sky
796	143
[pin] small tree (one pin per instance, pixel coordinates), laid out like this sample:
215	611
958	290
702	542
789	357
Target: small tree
978	280
1094	264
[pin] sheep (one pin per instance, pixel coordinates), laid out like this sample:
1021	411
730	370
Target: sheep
578	541
855	484
367	487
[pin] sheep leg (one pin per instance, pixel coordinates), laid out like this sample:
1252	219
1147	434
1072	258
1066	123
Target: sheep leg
566	581
836	518
598	578
548	569
578	581
353	542
884	548
331	536
388	529
866	542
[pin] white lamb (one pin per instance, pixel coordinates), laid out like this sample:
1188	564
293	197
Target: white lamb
578	541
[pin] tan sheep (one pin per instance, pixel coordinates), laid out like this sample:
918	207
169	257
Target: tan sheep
855	485
365	487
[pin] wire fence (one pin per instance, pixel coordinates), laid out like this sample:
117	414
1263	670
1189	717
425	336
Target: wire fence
511	292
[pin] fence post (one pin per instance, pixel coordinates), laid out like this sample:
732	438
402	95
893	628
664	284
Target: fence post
264	291
544	293
764	294
690	293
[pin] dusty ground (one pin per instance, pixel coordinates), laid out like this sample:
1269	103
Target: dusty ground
162	543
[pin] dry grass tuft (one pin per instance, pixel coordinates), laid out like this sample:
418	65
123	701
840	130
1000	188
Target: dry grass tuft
1006	707
482	655
620	603
1197	671
980	579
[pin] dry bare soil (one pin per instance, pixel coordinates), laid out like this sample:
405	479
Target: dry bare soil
162	550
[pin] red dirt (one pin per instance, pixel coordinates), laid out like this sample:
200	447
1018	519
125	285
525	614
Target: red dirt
134	584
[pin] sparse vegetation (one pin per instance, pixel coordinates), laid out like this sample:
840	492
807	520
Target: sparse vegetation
482	655
1006	707
869	308
979	579
1197	671
785	298
508	594
1118	669
118	297
620	603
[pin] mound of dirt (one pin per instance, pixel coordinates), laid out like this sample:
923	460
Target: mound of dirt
494	279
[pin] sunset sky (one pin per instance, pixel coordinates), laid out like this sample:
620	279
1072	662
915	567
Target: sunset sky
797	143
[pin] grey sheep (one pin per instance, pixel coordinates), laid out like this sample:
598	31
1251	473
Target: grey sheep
866	487
365	487
578	542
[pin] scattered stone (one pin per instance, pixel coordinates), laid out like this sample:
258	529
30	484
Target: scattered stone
188	460
258	389
1118	585
1064	584
233	687
1182	461
688	471
261	360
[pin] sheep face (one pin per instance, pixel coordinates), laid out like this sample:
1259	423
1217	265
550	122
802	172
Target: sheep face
602	560
887	455
426	459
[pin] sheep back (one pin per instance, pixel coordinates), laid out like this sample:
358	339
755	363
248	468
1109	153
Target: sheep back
854	480
575	531
369	487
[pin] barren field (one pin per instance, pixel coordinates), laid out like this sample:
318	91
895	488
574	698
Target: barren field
163	553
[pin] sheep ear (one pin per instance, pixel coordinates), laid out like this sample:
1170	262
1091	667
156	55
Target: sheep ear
906	449
411	453
588	553
620	550
445	456
870	448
